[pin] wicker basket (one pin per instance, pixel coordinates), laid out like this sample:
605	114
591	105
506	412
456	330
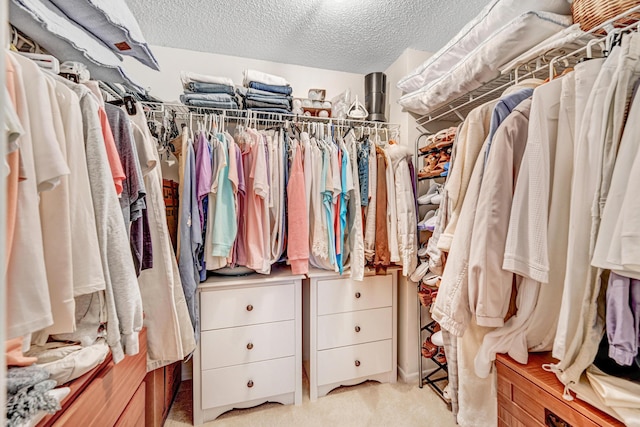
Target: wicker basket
591	13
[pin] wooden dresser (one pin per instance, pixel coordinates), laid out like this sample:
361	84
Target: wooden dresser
109	395
529	396
349	330
161	388
250	347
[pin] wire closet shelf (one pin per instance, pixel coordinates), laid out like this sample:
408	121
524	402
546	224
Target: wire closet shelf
555	60
182	111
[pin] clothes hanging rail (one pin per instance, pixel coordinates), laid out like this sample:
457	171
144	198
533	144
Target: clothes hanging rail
185	111
458	109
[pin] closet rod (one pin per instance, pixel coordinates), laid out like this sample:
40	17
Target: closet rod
498	85
260	116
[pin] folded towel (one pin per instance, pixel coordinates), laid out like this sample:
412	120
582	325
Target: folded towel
188	77
217	97
282	89
259	76
229	105
199	87
251	103
113	23
63	38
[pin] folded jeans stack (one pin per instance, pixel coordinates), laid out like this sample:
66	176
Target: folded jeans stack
266	93
208	91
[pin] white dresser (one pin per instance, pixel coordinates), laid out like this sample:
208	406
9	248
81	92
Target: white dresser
250	347
349	330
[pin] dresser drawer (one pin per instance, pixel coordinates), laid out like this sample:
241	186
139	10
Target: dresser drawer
530	396
247	306
235	384
247	344
345	363
342	295
356	327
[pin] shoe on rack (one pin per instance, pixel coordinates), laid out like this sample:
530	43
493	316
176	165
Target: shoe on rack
437	339
440	357
423	251
425	199
422	225
430	223
436	199
447	392
425	296
419	272
431	279
430	145
429	349
430	163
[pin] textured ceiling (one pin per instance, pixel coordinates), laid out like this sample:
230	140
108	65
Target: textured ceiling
357	36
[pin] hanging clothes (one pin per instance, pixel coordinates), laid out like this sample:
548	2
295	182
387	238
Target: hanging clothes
298	217
405	207
170	333
189	231
123	300
382	258
587	74
28	305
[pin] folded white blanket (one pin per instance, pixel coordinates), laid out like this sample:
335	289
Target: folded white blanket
188	77
260	77
496	14
483	63
112	22
569	39
64	39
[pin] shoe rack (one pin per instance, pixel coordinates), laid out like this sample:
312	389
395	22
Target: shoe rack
432	167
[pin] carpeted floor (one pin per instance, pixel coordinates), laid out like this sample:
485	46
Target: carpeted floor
367	404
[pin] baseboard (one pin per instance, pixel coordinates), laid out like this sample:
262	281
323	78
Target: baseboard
407	378
413	376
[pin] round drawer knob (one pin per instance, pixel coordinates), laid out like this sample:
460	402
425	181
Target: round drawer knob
249	307
250	383
357	363
357	328
250	346
358	294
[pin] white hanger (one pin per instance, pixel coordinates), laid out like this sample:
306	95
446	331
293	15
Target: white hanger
552	68
357	110
591	44
517	73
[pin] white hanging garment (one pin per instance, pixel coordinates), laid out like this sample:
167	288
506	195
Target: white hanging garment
170	335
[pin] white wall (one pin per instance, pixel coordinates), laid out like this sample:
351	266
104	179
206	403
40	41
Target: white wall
408	344
165	84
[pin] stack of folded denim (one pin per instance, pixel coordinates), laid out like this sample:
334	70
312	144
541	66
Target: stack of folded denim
208	91
266	93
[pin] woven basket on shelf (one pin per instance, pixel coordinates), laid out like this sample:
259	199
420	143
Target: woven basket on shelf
591	13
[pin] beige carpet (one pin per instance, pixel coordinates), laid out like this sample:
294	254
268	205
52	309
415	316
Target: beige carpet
367	404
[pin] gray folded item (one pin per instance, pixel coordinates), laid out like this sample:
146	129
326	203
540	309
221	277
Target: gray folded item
28	395
19	378
63	38
113	23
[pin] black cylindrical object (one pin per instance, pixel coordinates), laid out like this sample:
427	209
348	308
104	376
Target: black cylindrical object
375	85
